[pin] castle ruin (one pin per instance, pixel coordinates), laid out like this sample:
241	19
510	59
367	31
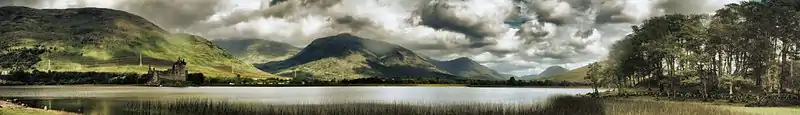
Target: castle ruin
175	75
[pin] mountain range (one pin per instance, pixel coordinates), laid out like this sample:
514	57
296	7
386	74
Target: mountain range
550	71
468	68
558	73
575	75
253	50
345	56
104	40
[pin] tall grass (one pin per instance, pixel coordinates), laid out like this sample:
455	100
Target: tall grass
565	105
559	105
640	107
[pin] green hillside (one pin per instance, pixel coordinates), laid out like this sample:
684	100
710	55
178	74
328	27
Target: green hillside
257	50
345	56
529	77
550	71
575	75
469	69
104	40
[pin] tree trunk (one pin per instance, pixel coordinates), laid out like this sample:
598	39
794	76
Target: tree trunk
596	92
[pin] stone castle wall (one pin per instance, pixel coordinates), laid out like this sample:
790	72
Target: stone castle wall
176	74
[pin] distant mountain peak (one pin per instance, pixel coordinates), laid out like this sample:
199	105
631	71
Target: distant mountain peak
255	50
345	44
15	8
356	57
351	56
467	67
552	70
463	59
555	67
342	36
345	35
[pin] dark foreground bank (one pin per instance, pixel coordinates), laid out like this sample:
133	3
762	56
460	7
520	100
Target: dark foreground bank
9	108
558	105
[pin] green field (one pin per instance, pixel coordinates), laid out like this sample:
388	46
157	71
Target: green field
767	110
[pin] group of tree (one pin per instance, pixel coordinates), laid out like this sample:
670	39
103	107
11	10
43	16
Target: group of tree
20	58
67	78
37	77
744	51
385	80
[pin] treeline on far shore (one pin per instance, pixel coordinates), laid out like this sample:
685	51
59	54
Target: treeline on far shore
198	79
36	77
389	81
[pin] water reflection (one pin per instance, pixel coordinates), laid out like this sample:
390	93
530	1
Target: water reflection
111	100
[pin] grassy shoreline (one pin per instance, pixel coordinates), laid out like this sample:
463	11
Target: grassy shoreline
327	85
8	108
510	86
324	85
557	105
738	107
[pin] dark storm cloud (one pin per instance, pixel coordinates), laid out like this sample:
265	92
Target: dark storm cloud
533	32
285	7
584	33
172	14
612	12
439	15
29	3
351	22
444	15
482	22
685	6
581	5
274	2
558	12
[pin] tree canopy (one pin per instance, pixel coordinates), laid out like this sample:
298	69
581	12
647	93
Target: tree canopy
744	49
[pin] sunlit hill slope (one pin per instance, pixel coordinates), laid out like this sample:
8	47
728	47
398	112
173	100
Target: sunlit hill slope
104	40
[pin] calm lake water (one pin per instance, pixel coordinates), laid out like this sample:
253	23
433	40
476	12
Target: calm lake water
91	98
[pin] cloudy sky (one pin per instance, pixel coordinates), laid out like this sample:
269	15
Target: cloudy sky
517	37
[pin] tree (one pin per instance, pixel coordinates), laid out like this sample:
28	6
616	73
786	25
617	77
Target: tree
511	81
196	78
595	75
748	48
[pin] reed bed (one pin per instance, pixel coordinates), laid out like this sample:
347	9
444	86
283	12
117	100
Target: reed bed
558	105
641	107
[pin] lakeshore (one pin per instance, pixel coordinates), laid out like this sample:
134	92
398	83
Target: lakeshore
668	106
9	108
